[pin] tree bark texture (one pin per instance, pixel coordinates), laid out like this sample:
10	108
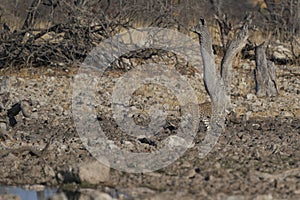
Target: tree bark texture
218	84
265	76
212	80
233	48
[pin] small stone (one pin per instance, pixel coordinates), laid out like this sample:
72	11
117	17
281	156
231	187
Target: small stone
186	164
287	114
240	135
175	141
66	113
251	97
35	187
154	174
3	126
297	191
256	126
58	109
60	177
217	165
93	172
60	196
296	46
235	197
127	145
49	171
170	196
282	53
248	115
90	194
25	108
191	173
264	197
9	197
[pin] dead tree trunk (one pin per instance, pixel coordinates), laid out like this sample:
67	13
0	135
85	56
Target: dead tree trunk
214	83
212	80
218	84
265	76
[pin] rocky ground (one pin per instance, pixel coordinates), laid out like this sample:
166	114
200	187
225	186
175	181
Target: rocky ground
258	156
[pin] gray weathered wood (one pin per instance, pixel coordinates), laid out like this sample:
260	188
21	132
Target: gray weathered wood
212	80
233	48
265	76
218	84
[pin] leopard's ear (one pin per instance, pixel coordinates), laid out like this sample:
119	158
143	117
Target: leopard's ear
202	21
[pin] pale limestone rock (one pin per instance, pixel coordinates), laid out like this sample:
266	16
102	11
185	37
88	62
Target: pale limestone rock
9	197
59	196
93	172
90	194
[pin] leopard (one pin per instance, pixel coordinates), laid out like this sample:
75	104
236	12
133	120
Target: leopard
205	113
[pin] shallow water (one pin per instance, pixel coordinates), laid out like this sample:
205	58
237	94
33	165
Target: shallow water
28	194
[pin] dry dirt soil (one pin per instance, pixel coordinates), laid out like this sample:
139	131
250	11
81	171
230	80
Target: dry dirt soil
257	157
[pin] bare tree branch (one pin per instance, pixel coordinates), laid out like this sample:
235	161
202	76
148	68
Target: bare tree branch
233	48
73	28
29	21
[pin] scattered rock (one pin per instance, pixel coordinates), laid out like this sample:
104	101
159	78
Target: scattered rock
281	53
251	97
127	145
256	126
287	114
9	197
175	141
92	172
59	196
248	115
89	194
25	108
191	173
234	197
171	196
49	171
237	149
264	197
296	46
